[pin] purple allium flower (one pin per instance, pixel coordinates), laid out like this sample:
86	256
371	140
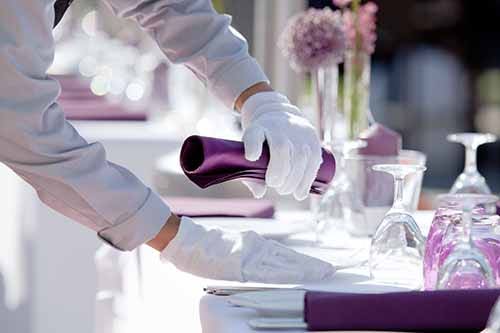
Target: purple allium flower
313	39
366	27
341	3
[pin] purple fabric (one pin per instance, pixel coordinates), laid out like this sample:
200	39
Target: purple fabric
90	109
209	161
380	141
79	103
220	207
416	311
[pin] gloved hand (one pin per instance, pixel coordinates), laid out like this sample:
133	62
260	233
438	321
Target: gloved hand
294	146
246	256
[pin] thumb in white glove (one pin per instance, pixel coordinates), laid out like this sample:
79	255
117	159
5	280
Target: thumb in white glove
294	147
257	190
219	255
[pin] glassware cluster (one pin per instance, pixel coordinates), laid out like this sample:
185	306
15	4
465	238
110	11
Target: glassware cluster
463	245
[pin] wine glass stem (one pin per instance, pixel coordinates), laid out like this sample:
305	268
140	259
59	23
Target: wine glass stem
467	226
470	160
398	194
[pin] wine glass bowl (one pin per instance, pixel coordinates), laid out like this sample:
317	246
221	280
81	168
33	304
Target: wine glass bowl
466	266
398	244
470	180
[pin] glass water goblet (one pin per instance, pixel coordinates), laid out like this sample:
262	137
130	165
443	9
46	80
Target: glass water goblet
331	229
470	180
397	245
466	267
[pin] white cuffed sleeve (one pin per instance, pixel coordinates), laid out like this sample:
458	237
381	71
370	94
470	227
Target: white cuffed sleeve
69	174
193	33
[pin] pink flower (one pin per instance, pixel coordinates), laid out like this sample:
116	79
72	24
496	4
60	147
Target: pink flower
313	39
365	30
341	3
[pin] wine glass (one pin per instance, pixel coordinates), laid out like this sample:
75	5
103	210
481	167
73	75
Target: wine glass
330	229
470	180
466	267
494	320
397	245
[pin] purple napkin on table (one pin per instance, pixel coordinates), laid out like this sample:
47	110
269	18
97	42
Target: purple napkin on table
414	311
79	103
209	161
90	109
380	141
220	207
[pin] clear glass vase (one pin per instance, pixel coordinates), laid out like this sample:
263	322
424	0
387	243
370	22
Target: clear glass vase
326	111
325	85
357	67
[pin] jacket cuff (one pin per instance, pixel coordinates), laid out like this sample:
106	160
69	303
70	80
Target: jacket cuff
143	226
229	84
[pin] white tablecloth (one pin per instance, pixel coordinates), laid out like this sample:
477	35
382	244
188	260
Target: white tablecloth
175	302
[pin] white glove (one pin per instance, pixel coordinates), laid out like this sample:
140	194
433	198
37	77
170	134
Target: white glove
246	256
295	150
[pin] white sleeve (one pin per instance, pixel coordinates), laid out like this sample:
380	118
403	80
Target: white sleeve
69	174
193	33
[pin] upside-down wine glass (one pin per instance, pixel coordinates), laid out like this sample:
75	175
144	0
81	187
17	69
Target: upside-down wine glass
470	180
466	267
397	245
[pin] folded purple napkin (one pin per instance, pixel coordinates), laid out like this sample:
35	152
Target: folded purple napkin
209	161
79	103
90	109
416	311
220	207
380	141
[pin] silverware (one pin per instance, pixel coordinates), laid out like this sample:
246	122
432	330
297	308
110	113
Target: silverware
231	290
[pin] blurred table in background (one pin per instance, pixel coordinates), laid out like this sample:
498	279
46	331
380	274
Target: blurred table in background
48	270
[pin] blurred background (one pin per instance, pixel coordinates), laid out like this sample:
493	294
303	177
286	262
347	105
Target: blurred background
436	70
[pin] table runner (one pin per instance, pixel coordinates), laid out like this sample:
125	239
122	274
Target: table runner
220	207
421	311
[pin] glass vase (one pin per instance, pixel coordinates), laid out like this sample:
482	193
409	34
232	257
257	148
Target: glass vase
325	85
326	115
356	92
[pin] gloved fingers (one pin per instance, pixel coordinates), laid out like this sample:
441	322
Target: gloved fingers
294	267
279	159
313	163
253	140
257	190
298	168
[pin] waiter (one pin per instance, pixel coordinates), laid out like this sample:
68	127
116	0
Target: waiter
73	177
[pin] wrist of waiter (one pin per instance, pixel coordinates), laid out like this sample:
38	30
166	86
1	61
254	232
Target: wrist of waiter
171	226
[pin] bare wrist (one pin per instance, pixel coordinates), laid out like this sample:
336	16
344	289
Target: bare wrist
252	90
166	234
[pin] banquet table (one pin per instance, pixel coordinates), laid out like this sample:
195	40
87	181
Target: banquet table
175	301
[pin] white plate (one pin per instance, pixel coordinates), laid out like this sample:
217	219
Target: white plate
268	228
277	323
275	303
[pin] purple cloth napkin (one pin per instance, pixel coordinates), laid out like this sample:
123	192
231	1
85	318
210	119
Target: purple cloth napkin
209	161
79	103
90	109
380	141
220	207
415	311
